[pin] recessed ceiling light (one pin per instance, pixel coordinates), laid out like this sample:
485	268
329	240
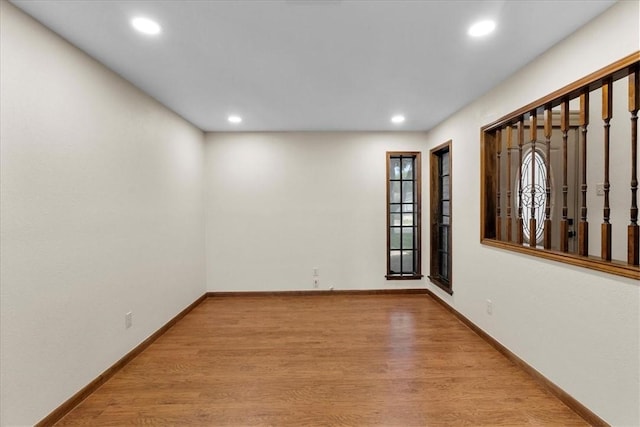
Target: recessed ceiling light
481	28
397	119
146	25
234	119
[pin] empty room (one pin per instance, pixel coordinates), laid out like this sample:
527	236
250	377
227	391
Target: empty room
319	213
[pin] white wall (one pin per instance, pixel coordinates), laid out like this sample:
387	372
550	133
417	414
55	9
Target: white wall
281	204
579	328
101	213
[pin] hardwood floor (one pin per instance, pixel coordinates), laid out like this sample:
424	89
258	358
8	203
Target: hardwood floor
334	360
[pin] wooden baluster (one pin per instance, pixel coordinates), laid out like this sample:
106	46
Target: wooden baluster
607	106
509	220
583	225
520	224
564	223
533	133
633	252
547	211
499	185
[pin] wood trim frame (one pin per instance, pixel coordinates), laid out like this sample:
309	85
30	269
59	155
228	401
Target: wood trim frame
66	407
418	197
434	200
488	184
588	415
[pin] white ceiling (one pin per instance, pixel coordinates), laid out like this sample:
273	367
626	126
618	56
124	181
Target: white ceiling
287	65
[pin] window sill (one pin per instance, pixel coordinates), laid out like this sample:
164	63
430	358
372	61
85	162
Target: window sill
395	277
447	287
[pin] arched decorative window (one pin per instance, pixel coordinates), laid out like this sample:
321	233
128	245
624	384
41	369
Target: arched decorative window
533	192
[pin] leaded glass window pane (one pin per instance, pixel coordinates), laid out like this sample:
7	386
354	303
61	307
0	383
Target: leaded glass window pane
407	168
394	192
407	238
395	238
538	200
394	169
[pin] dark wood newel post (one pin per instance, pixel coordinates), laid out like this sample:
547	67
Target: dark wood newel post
633	253
564	222
533	133
509	220
498	185
547	210
607	106
583	225
520	225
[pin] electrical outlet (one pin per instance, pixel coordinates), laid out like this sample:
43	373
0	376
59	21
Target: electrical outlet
316	282
600	189
128	320
316	272
489	307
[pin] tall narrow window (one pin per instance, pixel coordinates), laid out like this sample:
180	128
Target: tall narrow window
403	215
440	201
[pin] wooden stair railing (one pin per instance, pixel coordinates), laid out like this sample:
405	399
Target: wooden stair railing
498	143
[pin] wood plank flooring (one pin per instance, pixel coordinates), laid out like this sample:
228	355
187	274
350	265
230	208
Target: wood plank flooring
335	360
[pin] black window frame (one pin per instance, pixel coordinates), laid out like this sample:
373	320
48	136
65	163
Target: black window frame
416	210
441	222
